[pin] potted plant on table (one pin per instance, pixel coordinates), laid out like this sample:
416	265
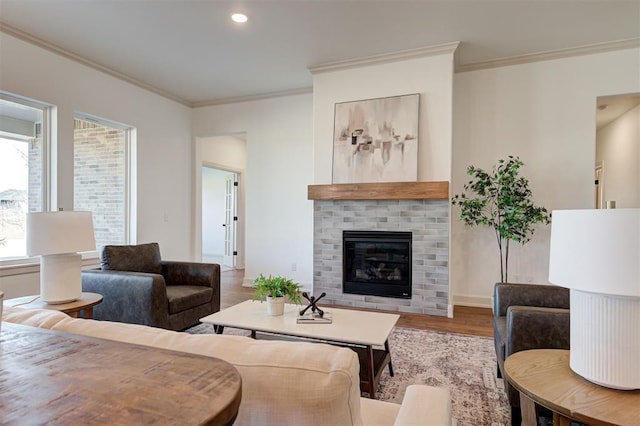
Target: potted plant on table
274	290
502	200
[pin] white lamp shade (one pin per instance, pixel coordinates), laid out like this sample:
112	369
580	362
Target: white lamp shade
59	232
596	251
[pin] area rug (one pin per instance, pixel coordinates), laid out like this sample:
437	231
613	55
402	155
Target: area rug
466	365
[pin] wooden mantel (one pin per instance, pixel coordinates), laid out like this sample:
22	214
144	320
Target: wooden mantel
380	191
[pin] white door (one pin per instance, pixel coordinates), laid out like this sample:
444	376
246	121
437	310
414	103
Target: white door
599	186
230	221
218	213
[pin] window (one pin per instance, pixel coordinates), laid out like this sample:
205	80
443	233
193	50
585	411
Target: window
24	165
101	158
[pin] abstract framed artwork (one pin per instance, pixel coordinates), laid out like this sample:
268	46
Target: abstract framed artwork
376	140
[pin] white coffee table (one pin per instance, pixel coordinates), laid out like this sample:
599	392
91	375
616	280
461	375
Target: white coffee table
360	330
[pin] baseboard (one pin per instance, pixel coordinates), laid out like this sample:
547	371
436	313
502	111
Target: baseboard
449	311
473	301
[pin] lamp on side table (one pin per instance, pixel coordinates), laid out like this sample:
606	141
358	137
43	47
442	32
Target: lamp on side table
57	237
596	254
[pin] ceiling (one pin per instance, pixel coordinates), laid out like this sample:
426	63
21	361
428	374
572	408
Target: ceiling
191	52
611	107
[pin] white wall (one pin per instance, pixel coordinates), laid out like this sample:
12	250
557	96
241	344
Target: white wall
431	77
164	163
279	135
20	282
227	152
543	112
618	147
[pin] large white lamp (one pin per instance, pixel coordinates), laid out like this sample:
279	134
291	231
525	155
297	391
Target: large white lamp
57	237
596	254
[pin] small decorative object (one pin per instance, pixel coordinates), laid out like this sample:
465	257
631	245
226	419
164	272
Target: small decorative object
503	201
376	140
273	290
315	315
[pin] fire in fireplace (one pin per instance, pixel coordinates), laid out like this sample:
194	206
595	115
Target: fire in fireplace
377	263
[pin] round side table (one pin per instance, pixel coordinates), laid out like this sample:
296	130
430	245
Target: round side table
84	304
543	376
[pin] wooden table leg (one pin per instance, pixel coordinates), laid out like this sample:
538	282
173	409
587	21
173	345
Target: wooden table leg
560	420
371	370
528	409
88	313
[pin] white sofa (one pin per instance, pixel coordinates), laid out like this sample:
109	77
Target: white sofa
283	383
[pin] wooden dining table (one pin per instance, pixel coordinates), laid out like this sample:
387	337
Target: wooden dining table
55	378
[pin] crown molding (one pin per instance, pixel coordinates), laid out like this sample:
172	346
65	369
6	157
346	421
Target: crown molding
446	48
21	35
256	97
440	49
551	54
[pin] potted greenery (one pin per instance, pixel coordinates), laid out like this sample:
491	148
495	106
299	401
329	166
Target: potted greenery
501	200
273	290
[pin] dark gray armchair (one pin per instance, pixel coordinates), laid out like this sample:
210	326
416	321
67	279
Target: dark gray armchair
528	316
140	288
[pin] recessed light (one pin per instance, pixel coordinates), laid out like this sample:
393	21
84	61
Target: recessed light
240	18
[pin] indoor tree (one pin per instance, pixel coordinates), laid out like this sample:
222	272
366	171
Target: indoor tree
502	200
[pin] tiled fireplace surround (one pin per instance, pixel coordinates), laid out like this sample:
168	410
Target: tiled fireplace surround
426	219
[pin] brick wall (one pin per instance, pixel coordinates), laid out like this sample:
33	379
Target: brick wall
428	220
99	179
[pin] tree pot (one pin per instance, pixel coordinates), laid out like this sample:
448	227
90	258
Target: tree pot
275	305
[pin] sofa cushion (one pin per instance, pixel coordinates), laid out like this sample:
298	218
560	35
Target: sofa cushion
433	403
42	318
184	297
138	258
375	412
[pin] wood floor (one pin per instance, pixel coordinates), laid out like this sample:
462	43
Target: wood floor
466	320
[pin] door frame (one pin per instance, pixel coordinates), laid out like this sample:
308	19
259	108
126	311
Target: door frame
196	226
230	251
599	185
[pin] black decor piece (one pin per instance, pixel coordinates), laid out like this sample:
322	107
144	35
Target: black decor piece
313	304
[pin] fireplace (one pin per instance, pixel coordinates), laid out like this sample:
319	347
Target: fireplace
377	263
428	222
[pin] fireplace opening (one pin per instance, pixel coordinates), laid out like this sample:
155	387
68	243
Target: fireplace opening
377	263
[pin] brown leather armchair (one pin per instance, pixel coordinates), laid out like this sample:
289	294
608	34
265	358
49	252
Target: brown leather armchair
528	316
140	288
